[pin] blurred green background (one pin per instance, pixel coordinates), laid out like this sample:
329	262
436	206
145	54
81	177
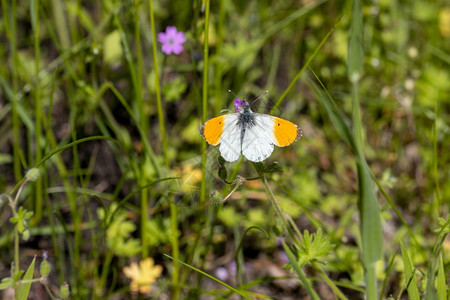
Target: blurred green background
78	69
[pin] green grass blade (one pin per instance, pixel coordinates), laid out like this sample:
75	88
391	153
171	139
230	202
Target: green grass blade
242	293
307	63
204	107
441	285
245	232
370	226
58	10
24	288
161	117
370	221
340	123
413	291
37	107
371	233
303	279
355	45
11	12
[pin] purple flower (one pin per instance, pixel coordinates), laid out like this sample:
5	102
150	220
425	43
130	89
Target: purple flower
172	41
280	241
222	273
239	104
281	255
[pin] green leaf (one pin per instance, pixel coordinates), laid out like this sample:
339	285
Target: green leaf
156	232
441	285
315	247
119	234
371	233
259	166
127	248
17	275
5	283
413	291
24	288
223	173
112	49
174	89
273	168
21	218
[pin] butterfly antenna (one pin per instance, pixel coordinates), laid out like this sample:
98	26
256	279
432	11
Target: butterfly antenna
262	94
231	92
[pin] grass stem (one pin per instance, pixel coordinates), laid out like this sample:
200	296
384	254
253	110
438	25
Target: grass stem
37	113
162	126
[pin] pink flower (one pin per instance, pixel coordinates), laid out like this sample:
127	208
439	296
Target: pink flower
172	41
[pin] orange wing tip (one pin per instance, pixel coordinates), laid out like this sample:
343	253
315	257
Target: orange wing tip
286	132
212	130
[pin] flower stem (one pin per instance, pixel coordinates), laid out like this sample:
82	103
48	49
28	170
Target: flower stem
38	114
16	249
175	249
333	286
204	99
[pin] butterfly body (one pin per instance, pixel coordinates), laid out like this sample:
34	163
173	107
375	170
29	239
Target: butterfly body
252	134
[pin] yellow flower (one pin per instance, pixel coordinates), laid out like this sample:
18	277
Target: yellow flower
143	276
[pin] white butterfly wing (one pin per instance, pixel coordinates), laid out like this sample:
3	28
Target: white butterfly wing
259	139
230	140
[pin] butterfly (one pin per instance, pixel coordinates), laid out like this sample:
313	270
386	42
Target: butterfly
252	134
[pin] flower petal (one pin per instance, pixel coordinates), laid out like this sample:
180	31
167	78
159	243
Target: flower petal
162	37
156	271
132	271
177	49
144	289
180	38
171	30
166	48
